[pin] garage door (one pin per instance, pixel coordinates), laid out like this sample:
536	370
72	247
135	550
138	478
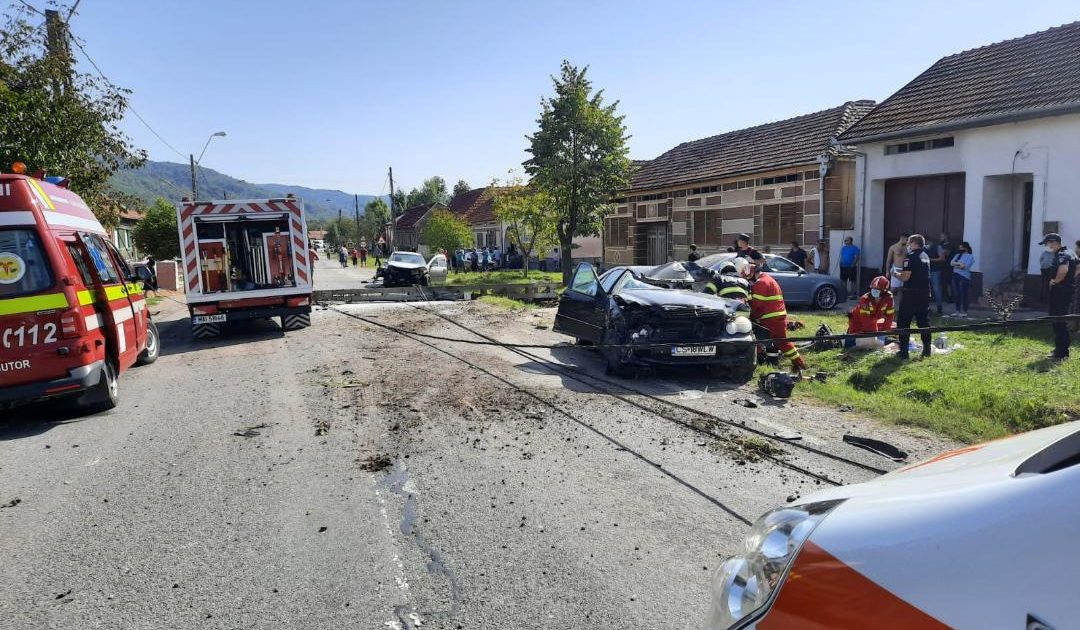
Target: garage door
924	205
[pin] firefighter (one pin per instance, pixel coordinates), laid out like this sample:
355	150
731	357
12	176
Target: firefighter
768	311
874	313
727	283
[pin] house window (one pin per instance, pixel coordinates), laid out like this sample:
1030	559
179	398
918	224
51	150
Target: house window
918	145
707	227
779	179
779	223
618	232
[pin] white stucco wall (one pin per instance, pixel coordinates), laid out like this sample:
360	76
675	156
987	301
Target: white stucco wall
1045	151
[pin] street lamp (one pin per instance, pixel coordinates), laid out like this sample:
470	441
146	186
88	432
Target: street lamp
195	163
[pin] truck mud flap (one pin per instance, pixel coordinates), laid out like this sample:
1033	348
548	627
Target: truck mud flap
296	321
205	331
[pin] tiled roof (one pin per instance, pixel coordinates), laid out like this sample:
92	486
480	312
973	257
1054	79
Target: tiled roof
476	206
770	146
413	215
1032	75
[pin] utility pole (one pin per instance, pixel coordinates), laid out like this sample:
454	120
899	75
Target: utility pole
56	34
356	206
393	213
194	182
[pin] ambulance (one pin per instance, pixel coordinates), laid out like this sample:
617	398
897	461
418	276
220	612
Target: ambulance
72	313
983	537
244	260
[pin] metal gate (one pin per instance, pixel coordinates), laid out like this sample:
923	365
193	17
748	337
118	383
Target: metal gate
658	244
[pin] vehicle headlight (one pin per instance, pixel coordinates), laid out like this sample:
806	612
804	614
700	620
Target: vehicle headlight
739	325
746	583
644	332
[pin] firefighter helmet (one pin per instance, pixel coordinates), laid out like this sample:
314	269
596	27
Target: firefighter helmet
743	267
881	283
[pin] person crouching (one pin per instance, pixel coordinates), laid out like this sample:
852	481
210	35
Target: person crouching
873	314
768	311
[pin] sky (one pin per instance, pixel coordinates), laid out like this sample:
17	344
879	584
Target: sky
330	93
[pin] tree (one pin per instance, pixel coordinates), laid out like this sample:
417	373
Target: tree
579	157
528	216
460	188
401	201
156	234
376	214
433	190
333	239
56	119
445	230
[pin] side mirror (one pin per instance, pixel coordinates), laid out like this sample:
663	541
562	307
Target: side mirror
144	274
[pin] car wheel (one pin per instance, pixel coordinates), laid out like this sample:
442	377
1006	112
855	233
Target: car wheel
106	394
153	346
825	298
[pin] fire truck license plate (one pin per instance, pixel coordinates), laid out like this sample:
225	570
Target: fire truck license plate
208	319
691	351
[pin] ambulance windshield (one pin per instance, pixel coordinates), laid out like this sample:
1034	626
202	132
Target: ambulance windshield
24	268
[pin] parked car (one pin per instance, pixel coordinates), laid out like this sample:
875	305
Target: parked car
619	309
800	287
978	537
404	269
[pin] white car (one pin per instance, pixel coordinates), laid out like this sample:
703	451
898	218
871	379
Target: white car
983	537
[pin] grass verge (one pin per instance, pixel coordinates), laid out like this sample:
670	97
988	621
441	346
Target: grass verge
503	277
505	303
154	301
999	383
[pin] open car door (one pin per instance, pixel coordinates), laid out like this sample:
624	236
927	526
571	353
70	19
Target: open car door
437	269
113	303
583	306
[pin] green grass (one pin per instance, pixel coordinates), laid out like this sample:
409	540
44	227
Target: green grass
154	301
999	383
509	304
503	277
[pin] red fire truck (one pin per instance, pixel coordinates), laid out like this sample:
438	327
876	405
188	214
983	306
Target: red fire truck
72	312
244	260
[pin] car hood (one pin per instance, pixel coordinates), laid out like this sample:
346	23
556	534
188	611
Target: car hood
677	299
405	265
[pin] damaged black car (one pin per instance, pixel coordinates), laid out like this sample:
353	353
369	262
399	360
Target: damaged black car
637	324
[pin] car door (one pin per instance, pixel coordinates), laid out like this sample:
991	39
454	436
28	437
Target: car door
582	307
437	269
134	287
112	301
792	279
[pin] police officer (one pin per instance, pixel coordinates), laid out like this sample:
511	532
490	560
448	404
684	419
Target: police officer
1061	291
694	255
727	283
743	249
915	274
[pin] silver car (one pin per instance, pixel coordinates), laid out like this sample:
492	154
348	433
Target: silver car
800	287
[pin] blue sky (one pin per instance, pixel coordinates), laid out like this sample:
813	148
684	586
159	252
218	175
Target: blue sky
329	93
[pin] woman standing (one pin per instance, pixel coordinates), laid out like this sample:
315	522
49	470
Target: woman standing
962	262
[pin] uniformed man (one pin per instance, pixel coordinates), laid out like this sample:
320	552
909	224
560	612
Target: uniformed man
743	249
727	283
694	255
915	276
1061	290
768	311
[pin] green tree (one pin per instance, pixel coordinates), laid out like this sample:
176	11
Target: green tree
401	201
156	233
528	217
333	239
579	157
57	119
433	190
445	230
460	188
376	214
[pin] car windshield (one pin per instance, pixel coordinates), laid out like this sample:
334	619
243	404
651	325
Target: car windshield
710	261
630	282
407	257
23	266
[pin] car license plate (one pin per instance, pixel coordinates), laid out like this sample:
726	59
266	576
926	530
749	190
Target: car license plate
208	319
692	351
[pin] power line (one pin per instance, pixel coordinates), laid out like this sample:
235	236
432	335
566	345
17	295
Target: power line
32	8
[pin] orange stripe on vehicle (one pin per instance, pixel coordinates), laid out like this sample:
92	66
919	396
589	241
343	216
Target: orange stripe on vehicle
823	593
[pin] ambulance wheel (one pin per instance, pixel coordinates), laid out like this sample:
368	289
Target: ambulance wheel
205	331
153	346
825	298
106	394
295	322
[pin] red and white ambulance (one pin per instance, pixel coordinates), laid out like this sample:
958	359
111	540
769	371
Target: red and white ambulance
72	313
244	260
984	537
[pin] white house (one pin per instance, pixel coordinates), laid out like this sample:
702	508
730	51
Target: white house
984	146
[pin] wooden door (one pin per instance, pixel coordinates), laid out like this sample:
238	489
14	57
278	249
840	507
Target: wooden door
924	205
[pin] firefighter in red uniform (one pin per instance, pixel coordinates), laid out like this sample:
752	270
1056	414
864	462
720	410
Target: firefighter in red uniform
767	309
874	313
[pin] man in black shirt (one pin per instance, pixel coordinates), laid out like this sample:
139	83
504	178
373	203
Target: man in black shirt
693	254
1061	291
743	249
915	274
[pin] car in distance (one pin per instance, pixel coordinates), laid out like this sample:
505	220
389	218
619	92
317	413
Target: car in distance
800	287
404	269
653	326
979	537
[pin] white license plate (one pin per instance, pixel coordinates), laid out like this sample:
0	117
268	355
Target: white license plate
693	351
208	319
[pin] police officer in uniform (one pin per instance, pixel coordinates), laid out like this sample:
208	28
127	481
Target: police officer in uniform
727	283
915	274
1061	291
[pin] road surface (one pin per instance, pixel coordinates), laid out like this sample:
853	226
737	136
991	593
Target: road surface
345	476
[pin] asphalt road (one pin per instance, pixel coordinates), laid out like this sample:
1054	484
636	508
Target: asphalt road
344	476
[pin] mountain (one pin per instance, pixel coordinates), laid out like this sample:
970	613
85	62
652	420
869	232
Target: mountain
173	181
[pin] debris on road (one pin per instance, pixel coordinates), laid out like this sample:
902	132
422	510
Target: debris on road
322	427
745	402
12	503
375	463
876	446
252	431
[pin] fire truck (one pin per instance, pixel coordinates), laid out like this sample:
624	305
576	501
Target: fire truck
245	260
